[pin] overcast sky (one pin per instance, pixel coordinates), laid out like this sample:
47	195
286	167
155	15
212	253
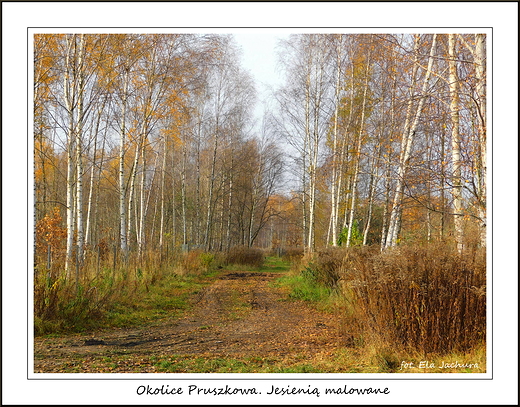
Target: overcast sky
260	58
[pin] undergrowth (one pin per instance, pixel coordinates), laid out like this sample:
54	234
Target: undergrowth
369	359
132	293
245	256
135	291
426	299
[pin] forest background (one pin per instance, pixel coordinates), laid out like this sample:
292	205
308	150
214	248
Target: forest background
388	136
509	182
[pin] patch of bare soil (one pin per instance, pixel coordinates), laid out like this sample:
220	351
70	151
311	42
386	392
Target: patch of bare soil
240	315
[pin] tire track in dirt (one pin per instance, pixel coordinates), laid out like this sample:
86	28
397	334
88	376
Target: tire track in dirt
240	315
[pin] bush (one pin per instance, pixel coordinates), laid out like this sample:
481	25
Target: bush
196	262
427	298
328	265
356	237
64	305
292	254
245	256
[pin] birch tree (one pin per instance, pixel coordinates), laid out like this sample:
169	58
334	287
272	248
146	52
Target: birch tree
480	69
305	116
456	180
73	97
226	80
408	136
358	149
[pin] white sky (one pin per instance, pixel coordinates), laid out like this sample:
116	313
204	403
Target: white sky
259	56
260	59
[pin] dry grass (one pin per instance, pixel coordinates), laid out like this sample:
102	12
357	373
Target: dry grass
428	299
293	254
425	299
105	281
245	256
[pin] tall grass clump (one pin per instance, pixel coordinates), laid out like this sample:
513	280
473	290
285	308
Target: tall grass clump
423	298
245	256
195	262
63	304
326	266
314	276
292	254
107	287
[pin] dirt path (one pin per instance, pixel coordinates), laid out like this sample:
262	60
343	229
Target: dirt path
241	315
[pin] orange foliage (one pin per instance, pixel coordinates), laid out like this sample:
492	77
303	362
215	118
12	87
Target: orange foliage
414	218
50	233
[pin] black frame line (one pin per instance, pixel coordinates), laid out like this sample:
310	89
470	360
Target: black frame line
291	378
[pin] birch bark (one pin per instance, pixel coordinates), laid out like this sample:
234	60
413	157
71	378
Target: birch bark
456	190
79	150
88	239
479	60
123	215
334	188
69	100
358	154
406	144
480	70
163	178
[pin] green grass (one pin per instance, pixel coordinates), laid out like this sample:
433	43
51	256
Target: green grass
124	300
168	298
186	364
270	265
276	264
302	287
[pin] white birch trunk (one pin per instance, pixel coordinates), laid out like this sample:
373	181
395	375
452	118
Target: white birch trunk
406	148
209	207
79	151
344	159
70	204
480	73
132	207
306	143
142	207
123	214
197	189
147	206
456	190
314	149
183	196
334	192
174	205
230	202
131	192
98	186
88	239
386	206
371	194
358	159
163	177
68	96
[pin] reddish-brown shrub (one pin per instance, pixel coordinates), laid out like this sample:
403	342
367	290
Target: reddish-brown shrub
426	298
246	256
